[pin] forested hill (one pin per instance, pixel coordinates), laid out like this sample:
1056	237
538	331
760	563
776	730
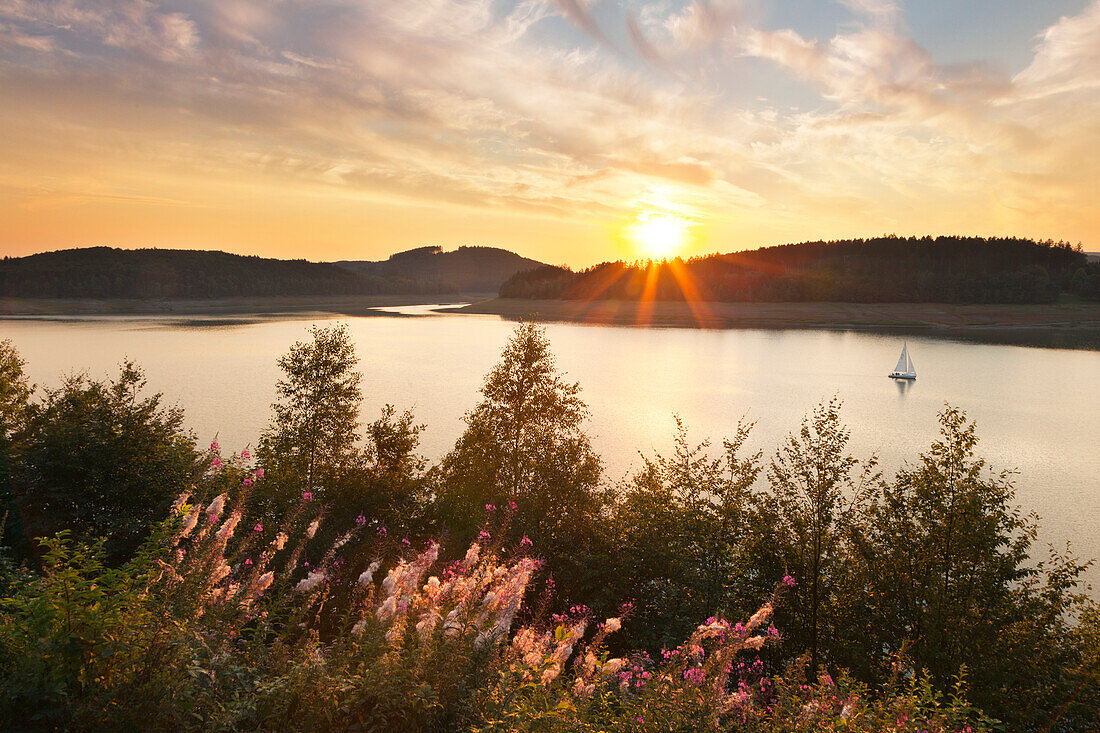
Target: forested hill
105	272
469	269
886	269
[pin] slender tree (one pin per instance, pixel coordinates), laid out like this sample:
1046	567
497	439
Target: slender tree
815	491
525	443
314	430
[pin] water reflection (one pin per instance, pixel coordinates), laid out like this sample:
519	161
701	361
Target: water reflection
904	385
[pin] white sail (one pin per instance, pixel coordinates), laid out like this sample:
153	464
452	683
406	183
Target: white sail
911	370
903	360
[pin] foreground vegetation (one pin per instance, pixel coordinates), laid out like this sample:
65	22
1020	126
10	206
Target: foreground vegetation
338	581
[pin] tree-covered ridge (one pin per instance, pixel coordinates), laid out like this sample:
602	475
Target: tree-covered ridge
107	272
468	269
880	270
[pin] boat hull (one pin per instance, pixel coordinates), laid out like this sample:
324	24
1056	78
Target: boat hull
896	375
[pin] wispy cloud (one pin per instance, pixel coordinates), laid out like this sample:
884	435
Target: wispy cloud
501	107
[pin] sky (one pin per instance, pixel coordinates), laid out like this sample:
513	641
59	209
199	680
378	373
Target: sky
570	131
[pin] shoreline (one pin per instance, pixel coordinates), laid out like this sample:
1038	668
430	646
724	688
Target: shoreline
1058	325
1073	326
351	305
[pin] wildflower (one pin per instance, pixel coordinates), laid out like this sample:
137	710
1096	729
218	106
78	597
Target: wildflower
381	531
390	583
525	542
550	673
759	617
367	577
258	473
311	581
279	541
245	455
483	536
312	529
189	522
755	642
216	462
387	609
214	446
307	496
788	581
405	542
216	506
248	561
263	582
695	675
258	528
228	527
360	520
219	572
490	508
247	482
511	506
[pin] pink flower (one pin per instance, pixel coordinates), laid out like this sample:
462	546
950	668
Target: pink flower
245	455
258	528
258	473
511	506
247	481
217	462
406	542
525	542
248	561
307	496
214	445
483	536
788	581
490	508
381	532
360	520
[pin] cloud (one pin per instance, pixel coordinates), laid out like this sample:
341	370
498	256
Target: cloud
485	105
578	12
1067	58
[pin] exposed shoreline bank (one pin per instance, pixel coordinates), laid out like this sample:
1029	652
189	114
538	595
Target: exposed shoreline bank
1059	326
351	305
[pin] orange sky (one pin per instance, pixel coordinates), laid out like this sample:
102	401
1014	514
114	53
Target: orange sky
327	130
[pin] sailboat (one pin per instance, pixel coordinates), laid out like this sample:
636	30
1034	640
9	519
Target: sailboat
904	369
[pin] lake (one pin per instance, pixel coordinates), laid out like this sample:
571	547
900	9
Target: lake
1037	410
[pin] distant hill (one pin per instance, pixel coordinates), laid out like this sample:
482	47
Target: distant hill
881	270
105	272
468	269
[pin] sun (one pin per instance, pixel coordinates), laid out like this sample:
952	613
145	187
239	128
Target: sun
659	234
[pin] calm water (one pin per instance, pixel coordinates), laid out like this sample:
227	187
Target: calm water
1037	410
